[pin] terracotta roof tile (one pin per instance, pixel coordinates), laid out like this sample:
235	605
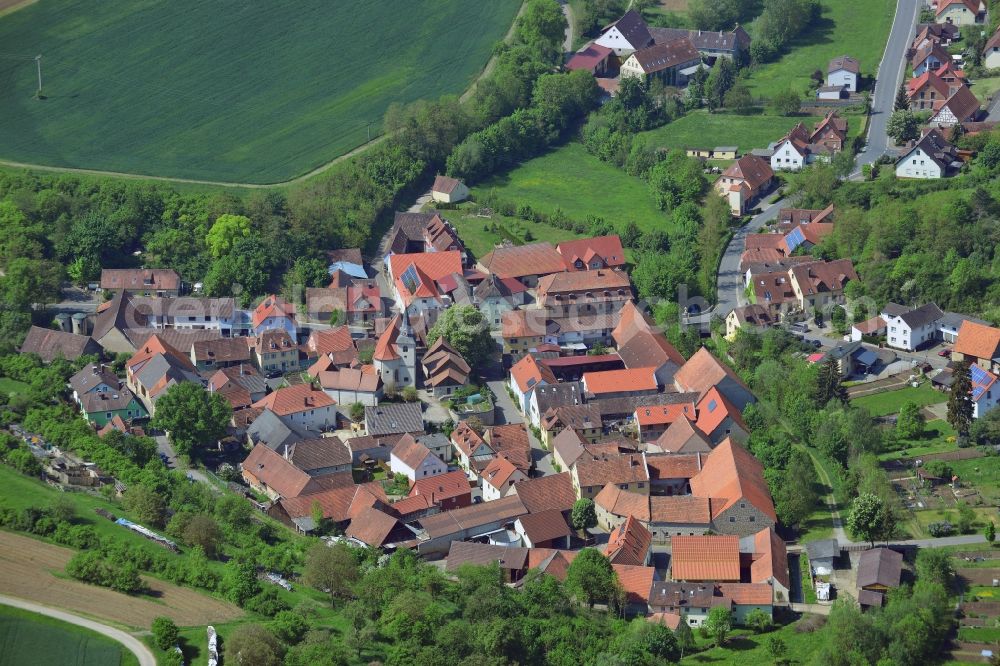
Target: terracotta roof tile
704	558
664	414
636	581
295	399
703	371
545	493
629	543
978	341
730	474
517	261
683	509
607	248
770	558
545	525
620	381
600	470
442	487
620	502
372	526
529	373
683	437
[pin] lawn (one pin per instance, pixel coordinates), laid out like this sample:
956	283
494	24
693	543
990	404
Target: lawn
938	437
744	648
29	638
890	402
237	91
11	387
980	473
571	180
858	28
984	88
480	234
925	517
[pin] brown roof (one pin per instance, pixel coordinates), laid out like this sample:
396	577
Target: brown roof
498	472
337	503
731	474
140	279
620	502
545	525
572	416
844	62
649	350
682	437
371	526
663	56
629	543
522	260
545	493
963	104
294	399
363	379
684	509
823	276
879	566
673	465
669	620
636	581
715	557
754	315
445	184
598	280
978	341
443	364
598	470
411	452
461	553
752	170
50	344
747	594
277	473
318	453
608	248
222	350
337	339
450	522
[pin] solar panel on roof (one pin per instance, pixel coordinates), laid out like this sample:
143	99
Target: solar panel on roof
712	404
794	238
410	279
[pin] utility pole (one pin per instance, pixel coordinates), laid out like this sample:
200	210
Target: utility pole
38	62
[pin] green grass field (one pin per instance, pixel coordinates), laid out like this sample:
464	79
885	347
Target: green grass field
29	638
481	235
745	648
858	28
890	402
572	180
10	386
234	91
938	437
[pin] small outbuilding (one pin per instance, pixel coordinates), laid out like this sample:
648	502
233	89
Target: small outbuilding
449	190
879	569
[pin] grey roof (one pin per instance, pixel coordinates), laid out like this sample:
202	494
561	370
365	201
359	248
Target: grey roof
185	306
120	314
938	149
407	228
705	40
895	309
955	319
484	554
925	314
434	440
387	419
91	376
558	395
843	351
823	549
317	453
634	29
629	403
272	431
106	401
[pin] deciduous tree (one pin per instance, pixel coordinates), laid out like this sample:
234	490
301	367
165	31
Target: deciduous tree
192	416
331	569
584	515
960	405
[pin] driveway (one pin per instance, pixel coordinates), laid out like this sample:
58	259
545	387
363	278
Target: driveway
993	110
506	411
131	643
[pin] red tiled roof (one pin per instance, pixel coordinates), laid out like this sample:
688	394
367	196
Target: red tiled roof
971	5
713	409
545	525
589	58
683	437
663	414
977	340
411	452
629	543
703	371
599	470
498	472
430	267
272	306
445	184
529	373
608	248
698	558
770	558
747	594
674	466
371	526
294	399
752	170
385	348
730	474
337	339
277	473
442	487
620	502
618	381
636	581
682	509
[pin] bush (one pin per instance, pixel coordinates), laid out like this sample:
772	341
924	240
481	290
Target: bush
91	567
266	603
941	529
165	633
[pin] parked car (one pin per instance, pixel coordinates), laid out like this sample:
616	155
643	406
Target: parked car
815	343
945	353
799	327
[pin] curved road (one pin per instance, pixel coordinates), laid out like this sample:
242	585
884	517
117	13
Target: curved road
133	644
729	286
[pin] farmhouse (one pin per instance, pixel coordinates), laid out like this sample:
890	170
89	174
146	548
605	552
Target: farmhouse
525	263
143	281
744	182
961	107
671	62
626	35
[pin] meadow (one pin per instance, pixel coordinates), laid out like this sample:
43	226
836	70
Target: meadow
29	638
858	28
571	180
226	90
890	402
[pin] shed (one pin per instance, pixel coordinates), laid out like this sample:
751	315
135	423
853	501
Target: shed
822	554
879	569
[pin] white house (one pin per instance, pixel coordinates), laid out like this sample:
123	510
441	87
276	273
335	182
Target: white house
962	106
525	376
498	477
415	460
985	392
843	71
908	329
931	157
626	35
789	155
991	52
449	190
302	405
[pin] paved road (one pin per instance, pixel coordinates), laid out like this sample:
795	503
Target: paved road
890	75
993	110
729	287
568	13
133	644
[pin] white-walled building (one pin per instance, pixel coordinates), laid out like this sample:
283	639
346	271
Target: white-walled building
413	459
498	477
908	329
843	71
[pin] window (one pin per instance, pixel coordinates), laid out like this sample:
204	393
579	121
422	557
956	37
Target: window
732	519
743	505
753	519
107	415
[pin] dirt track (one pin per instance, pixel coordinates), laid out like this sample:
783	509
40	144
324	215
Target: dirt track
27	567
11	5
